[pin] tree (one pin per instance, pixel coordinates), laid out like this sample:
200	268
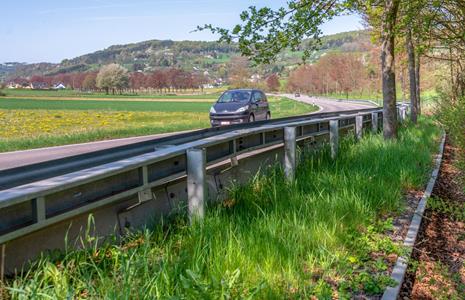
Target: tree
136	80
388	68
265	32
412	75
239	72
89	82
112	76
333	73
273	83
444	21
157	80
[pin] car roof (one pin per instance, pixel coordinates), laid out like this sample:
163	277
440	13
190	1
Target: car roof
244	90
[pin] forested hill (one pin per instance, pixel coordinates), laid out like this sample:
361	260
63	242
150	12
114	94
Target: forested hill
188	55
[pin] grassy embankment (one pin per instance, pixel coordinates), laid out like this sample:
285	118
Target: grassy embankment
33	123
322	235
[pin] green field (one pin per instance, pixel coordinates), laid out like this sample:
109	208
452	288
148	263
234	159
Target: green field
209	94
324	236
120	105
34	123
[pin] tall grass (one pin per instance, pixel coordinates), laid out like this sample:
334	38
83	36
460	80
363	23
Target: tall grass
321	235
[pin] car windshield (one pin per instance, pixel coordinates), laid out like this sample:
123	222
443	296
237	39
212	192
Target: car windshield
234	96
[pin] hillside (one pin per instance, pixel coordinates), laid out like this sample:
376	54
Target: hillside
188	55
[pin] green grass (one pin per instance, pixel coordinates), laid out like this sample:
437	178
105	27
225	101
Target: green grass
119	105
76	93
279	106
29	123
322	235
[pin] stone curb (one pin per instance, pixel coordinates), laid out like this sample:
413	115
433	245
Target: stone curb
398	273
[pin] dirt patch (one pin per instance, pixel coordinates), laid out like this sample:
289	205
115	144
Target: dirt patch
437	269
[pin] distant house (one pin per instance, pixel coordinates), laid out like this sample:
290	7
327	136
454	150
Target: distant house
13	85
59	86
18	85
255	78
38	85
207	86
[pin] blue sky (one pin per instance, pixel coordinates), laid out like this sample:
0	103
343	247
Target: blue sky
51	30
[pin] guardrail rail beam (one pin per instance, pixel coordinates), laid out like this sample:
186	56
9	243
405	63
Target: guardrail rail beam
31	207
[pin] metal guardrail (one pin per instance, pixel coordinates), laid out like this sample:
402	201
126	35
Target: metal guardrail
13	177
38	205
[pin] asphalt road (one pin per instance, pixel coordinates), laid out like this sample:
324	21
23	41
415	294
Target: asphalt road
331	105
14	159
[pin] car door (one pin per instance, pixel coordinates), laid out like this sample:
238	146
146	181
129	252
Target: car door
264	105
255	107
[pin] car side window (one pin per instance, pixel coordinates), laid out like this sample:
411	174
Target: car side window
257	97
263	97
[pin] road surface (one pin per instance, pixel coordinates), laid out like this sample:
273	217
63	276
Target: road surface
331	105
15	159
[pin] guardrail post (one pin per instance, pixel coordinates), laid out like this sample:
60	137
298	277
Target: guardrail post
2	262
38	207
402	113
289	152
359	127
374	122
334	137
196	183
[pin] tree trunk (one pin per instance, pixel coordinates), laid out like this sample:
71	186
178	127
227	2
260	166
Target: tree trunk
417	77
388	69
412	77
402	85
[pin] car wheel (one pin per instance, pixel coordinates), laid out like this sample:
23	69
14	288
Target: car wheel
268	116
251	118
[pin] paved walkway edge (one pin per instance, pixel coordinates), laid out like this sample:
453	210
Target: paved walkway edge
398	273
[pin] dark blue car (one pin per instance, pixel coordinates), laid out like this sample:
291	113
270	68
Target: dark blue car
240	106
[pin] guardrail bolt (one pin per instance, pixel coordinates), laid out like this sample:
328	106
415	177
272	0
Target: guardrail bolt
359	127
334	137
196	183
289	152
374	122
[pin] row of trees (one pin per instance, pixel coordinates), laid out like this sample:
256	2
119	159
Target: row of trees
114	78
335	73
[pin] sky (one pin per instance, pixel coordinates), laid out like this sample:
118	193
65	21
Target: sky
52	30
